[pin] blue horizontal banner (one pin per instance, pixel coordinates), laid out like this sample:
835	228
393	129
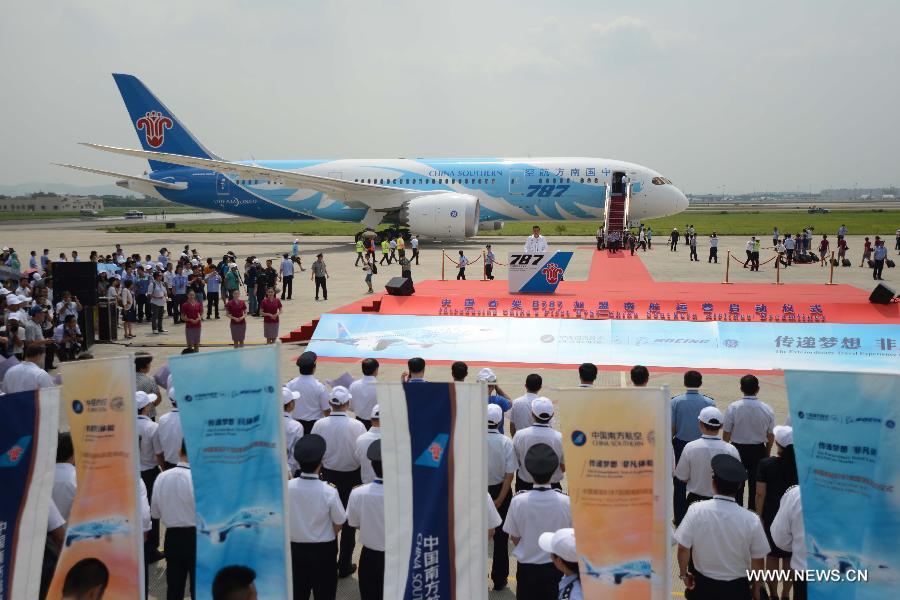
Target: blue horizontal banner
712	345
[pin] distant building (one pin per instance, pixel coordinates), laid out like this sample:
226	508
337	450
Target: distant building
50	203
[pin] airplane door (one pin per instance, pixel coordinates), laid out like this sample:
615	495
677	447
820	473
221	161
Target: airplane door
517	182
223	185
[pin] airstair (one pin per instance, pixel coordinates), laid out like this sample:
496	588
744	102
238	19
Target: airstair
616	210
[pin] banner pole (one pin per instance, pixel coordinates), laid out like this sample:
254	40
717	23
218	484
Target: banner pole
831	270
727	267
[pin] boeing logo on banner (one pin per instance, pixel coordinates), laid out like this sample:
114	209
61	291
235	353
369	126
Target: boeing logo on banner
154	124
432	455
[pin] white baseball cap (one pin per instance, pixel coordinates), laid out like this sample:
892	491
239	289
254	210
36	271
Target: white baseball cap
494	414
195	262
13	299
142	399
4	291
487	375
376	412
542	407
561	543
710	415
288	395
784	435
339	395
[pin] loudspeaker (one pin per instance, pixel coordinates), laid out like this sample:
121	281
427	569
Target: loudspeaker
882	294
107	321
399	286
79	278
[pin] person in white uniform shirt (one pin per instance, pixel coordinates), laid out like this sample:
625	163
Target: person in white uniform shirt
173	504
520	413
315	516
535	243
28	374
365	511
340	465
313	403
531	513
721	539
363	392
364	441
169	435
64	483
501	468
788	533
750	425
149	465
540	432
560	544
587	375
694	466
293	430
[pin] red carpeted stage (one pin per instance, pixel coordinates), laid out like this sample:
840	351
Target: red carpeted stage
620	287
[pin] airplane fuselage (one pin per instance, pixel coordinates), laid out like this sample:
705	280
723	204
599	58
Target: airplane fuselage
508	189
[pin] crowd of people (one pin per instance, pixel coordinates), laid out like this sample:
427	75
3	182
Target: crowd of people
723	459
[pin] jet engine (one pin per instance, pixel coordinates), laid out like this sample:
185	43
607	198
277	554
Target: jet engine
445	215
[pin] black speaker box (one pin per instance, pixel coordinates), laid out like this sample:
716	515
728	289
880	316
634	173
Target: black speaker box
399	286
882	294
79	278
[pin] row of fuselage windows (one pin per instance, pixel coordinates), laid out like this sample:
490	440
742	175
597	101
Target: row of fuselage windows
451	181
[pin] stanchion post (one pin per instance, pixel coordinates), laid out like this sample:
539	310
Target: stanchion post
443	256
727	267
483	266
778	270
831	270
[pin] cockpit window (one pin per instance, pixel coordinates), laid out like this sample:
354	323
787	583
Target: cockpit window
661	181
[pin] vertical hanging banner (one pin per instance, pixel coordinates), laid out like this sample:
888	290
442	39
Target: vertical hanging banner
231	414
28	425
434	450
104	534
618	467
847	445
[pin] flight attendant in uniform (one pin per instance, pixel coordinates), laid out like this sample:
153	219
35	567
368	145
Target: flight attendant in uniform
721	540
365	511
531	513
340	465
315	515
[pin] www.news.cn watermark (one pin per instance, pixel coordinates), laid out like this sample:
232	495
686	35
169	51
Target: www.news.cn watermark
809	575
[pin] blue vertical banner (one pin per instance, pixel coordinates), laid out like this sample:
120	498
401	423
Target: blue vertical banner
231	413
435	490
28	425
847	445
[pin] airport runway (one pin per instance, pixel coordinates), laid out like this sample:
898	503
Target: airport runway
99	222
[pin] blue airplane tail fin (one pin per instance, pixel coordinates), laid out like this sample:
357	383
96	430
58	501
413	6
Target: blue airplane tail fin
343	332
14	455
157	127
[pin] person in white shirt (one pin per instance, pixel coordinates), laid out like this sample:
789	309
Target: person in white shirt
713	248
28	375
539	433
64	481
531	513
520	414
313	403
340	465
315	516
293	430
694	466
722	539
365	511
364	441
149	465
748	248
535	243
364	393
560	544
501	468
749	425
415	249
462	263
788	533
169	436
286	271
173	504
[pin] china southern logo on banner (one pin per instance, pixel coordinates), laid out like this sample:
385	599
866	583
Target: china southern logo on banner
432	455
537	273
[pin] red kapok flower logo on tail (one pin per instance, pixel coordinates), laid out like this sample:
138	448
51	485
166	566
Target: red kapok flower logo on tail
552	272
154	124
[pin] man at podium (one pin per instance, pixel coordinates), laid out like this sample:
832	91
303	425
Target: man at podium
535	243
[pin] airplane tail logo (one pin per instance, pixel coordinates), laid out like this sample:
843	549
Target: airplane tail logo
154	124
552	272
432	455
16	453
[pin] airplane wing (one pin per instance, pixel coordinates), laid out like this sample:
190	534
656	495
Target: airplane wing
161	184
358	195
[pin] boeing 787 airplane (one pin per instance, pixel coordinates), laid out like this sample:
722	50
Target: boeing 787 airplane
445	198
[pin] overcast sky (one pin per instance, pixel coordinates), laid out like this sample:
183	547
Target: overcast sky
751	96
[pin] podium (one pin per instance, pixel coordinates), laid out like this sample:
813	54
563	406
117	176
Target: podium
536	273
